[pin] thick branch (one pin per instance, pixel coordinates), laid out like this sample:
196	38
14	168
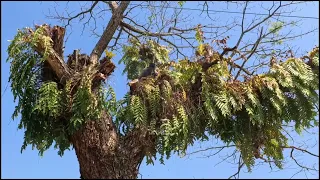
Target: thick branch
108	32
113	5
59	67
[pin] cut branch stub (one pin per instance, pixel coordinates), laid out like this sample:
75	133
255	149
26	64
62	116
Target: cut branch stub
57	37
105	69
57	34
55	58
106	66
55	69
78	61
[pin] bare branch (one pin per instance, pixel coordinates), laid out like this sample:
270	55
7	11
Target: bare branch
210	148
146	33
234	65
117	38
254	48
303	167
303	150
82	13
242	28
135	23
240	165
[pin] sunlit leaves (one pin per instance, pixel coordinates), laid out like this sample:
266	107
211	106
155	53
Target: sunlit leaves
199	35
109	54
181	3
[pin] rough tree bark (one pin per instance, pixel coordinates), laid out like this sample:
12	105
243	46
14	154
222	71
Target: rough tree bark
103	154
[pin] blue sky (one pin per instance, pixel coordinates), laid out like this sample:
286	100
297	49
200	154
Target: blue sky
29	165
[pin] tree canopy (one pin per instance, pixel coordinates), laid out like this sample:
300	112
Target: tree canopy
192	98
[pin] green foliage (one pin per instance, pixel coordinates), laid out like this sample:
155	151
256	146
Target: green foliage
134	64
48	114
184	71
84	104
111	101
181	3
248	114
49	99
138	110
275	27
199	35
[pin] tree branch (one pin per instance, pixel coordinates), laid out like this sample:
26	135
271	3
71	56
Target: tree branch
242	29
117	38
59	66
253	50
202	150
107	35
240	165
113	5
83	12
303	150
303	167
243	32
147	33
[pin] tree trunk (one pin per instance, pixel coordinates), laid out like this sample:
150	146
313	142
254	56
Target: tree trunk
102	154
101	151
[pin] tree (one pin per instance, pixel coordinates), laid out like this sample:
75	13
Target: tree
188	100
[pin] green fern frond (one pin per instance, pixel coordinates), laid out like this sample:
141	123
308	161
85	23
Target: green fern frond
49	99
222	103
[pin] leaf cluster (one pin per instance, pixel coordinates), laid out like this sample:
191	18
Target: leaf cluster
48	113
249	114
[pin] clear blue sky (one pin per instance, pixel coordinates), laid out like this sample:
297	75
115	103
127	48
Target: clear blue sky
29	165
